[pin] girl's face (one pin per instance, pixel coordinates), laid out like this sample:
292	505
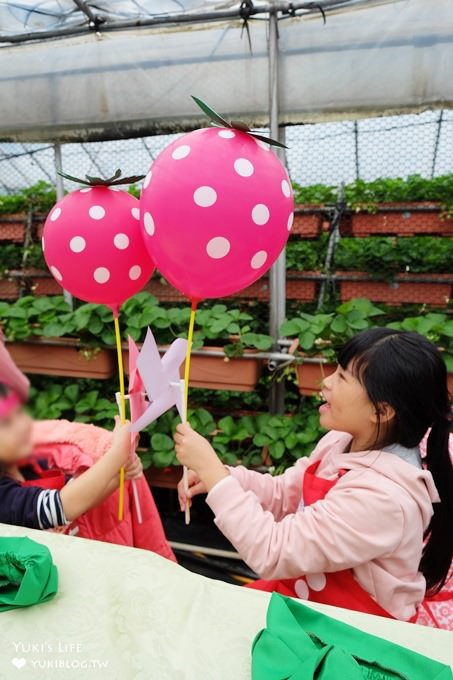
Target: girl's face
15	436
347	408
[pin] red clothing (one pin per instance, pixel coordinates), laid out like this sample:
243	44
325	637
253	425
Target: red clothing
73	447
339	588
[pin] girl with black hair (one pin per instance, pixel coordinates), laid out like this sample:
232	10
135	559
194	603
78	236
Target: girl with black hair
362	523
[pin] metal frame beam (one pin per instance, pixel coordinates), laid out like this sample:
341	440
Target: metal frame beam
288	9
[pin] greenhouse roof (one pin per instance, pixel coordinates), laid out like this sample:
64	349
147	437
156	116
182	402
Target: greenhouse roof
30	19
87	71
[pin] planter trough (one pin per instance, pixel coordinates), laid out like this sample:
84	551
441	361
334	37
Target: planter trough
62	357
311	373
401	219
9	290
12	227
308	220
219	372
431	289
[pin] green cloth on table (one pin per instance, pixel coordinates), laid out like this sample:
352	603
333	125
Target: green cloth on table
299	643
27	573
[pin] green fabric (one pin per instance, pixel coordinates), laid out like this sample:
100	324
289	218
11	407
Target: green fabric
27	573
299	643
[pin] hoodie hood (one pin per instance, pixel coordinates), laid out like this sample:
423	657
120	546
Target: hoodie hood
394	463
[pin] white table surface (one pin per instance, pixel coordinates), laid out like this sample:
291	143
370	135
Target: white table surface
127	614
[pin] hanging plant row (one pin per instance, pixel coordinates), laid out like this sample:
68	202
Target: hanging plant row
45	338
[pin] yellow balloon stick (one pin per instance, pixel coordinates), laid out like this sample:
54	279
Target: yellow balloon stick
185	477
119	352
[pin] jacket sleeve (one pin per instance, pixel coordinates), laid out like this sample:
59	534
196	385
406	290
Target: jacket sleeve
356	522
279	495
30	506
282	494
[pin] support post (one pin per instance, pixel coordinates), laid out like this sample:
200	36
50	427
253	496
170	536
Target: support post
277	275
59	186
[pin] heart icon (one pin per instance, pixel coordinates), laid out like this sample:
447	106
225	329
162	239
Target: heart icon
19	663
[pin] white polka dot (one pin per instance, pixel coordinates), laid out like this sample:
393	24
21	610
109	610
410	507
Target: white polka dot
149	223
85	190
136	213
243	167
181	152
301	589
258	259
317	581
101	275
205	196
218	247
42	244
77	244
290	221
226	134
114	188
260	214
56	273
147	179
121	241
55	214
96	212
286	188
135	272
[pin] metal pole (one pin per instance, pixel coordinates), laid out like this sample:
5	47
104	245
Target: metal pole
59	186
356	149
277	277
436	143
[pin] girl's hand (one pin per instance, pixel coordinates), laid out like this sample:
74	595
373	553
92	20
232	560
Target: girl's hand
196	453
196	486
121	440
133	468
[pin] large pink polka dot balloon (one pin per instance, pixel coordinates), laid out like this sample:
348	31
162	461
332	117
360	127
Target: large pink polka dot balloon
216	208
93	245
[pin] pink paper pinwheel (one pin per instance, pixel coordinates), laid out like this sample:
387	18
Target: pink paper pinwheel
161	380
136	391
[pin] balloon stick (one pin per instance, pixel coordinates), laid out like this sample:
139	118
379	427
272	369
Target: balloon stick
122	407
185	400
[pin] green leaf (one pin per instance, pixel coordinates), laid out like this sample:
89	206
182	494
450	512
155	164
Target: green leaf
71	392
261	439
268	140
163	459
162	442
210	112
448	358
226	425
307	340
277	449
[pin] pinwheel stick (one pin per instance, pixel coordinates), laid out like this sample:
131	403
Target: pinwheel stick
185	400
119	352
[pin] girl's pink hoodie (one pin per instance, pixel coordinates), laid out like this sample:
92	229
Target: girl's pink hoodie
372	521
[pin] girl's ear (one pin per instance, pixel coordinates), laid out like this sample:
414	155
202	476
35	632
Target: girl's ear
384	413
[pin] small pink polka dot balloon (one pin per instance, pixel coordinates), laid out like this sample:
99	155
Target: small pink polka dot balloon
217	208
93	245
